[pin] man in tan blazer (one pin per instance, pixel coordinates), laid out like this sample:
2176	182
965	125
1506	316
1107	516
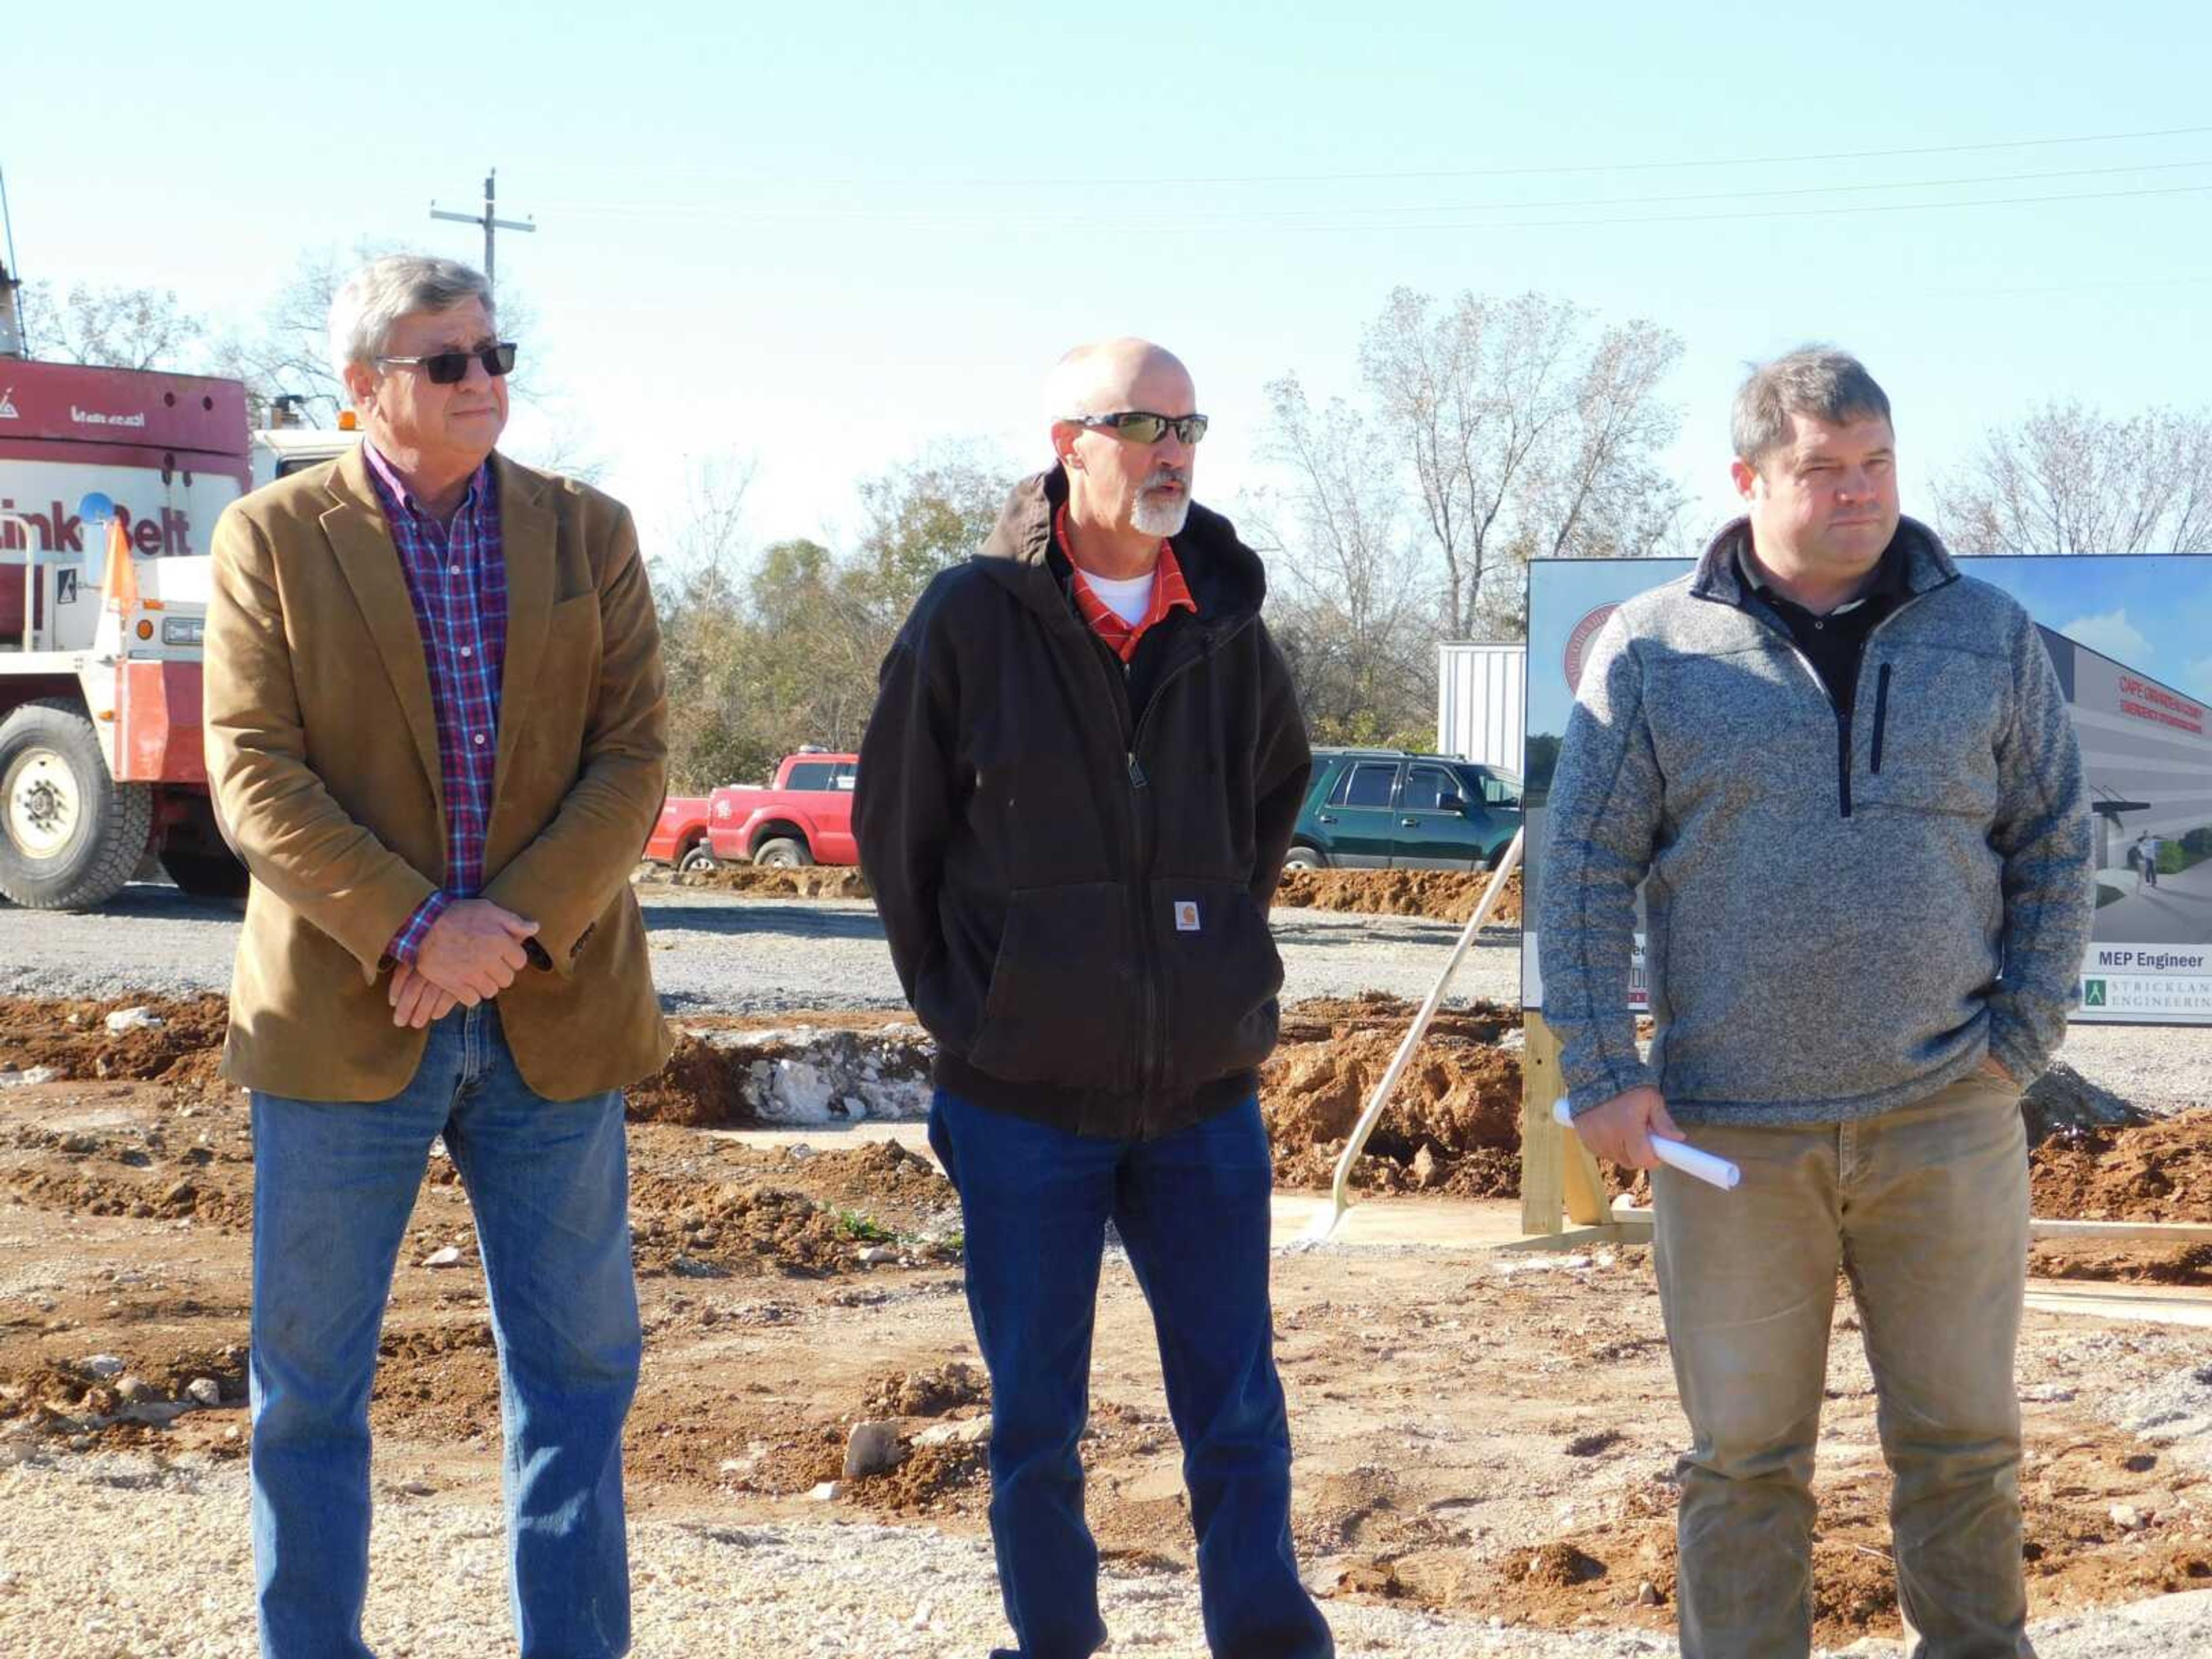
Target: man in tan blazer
435	731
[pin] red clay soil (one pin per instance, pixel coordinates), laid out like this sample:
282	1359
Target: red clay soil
702	1086
183	1051
2160	1172
1452	1128
1453	1125
815	881
1438	894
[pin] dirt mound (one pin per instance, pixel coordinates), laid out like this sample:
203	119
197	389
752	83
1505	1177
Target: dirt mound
159	1197
440	1380
882	1176
2122	1261
789	1073
929	1481
1453	1125
694	1228
701	1087
184	1048
2160	1172
931	1392
878	1188
816	881
1560	1566
1438	894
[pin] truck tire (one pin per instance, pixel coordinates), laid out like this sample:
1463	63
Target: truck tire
69	835
697	859
1304	858
782	852
205	875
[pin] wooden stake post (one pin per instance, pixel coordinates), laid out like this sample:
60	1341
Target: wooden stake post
1558	1174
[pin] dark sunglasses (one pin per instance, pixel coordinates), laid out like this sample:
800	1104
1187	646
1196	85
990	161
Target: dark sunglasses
1139	427
446	368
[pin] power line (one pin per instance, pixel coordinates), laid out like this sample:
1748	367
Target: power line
1838	211
692	209
1782	213
1681	164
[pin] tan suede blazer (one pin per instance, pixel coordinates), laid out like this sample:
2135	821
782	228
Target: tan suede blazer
322	752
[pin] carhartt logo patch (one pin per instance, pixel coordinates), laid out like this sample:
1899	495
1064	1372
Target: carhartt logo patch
1186	916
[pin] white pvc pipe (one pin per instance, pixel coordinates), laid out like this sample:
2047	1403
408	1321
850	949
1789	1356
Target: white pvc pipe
1706	1167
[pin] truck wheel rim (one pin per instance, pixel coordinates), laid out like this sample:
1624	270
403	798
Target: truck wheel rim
43	807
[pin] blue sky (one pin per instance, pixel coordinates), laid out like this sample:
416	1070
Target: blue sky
2155	614
825	237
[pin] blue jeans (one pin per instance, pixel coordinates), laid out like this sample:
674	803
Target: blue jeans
333	1186
1193	1209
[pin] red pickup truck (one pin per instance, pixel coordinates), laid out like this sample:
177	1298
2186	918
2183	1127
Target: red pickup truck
806	816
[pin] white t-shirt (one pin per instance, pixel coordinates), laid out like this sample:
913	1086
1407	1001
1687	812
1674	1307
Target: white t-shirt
1129	599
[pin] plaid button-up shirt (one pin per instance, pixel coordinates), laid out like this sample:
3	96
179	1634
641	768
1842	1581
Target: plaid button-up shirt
456	577
1169	593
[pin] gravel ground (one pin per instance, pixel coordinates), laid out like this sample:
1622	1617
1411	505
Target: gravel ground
716	954
711	953
117	1557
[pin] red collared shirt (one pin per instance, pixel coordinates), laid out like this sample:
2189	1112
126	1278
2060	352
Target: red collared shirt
1169	593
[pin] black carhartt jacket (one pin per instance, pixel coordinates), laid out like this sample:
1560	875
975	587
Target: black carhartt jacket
1074	881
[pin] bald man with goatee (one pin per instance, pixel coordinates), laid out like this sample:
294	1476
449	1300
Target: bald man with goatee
1075	797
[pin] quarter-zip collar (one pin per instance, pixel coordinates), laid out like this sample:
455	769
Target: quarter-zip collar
1921	563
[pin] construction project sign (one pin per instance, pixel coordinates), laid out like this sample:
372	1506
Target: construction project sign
2130	639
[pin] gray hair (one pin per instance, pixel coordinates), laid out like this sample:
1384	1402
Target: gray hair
1819	381
384	290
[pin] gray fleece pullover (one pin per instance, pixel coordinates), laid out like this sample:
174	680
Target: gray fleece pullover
1842	916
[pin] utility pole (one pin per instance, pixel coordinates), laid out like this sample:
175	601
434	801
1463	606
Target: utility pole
12	340
488	219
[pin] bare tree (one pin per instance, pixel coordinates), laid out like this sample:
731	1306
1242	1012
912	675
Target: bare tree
1355	616
1523	437
286	350
2070	479
134	328
1600	495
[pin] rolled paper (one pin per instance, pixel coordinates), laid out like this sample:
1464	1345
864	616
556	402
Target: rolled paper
1718	1171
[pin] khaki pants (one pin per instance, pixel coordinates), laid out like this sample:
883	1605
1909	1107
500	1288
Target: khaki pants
1926	1209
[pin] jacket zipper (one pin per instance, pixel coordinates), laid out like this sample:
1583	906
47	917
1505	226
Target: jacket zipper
1881	711
1843	726
1152	1053
1117	700
1843	720
1150	1050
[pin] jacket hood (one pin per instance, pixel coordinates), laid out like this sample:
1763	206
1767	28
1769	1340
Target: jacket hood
1226	578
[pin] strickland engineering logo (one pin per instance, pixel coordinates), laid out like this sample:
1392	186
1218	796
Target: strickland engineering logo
8	404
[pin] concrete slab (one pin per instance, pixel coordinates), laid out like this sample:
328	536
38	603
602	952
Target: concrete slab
2154	1304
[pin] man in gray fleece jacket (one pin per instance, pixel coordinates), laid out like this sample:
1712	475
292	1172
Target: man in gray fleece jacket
1845	775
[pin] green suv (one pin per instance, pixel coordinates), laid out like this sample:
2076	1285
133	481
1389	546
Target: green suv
1385	809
